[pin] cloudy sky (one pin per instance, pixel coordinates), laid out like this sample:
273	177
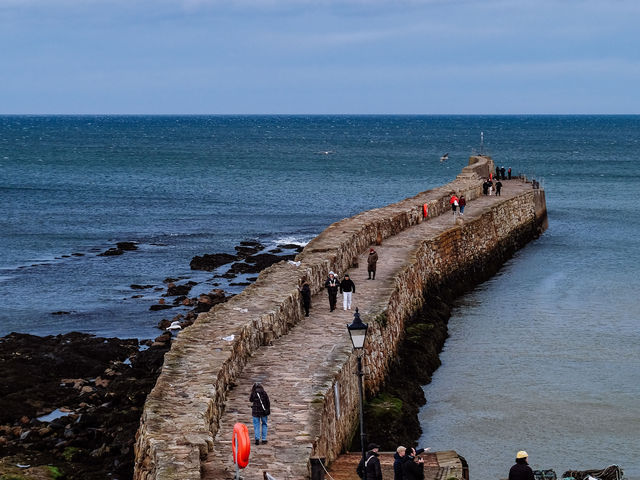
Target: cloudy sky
319	56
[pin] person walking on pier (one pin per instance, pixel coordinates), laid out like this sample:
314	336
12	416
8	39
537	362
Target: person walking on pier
453	201
305	294
260	411
332	284
498	187
521	470
347	289
462	203
370	469
509	173
372	260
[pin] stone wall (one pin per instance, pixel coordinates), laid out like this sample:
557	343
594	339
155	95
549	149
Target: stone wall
181	414
460	253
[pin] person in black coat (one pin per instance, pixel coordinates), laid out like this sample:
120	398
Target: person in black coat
398	460
370	469
521	470
332	284
347	289
260	411
413	466
305	294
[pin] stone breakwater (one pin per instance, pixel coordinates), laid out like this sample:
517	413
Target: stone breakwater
182	414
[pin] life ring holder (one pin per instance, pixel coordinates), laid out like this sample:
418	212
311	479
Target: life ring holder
241	439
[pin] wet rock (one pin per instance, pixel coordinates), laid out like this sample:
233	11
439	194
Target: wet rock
291	246
209	262
247	248
128	246
135	286
174	290
264	260
111	252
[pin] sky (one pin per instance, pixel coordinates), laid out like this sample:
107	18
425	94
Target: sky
319	57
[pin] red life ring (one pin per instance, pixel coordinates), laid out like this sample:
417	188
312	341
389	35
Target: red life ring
425	210
241	436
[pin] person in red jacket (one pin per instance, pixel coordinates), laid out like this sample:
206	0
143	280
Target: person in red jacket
453	201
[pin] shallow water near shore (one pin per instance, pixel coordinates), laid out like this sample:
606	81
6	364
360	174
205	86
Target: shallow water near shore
543	357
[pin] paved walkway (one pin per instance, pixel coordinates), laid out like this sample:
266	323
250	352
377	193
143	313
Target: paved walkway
288	368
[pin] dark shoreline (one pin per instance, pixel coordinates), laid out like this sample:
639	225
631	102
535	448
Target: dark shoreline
97	386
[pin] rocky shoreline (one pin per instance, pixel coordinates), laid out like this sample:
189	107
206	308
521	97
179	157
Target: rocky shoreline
70	404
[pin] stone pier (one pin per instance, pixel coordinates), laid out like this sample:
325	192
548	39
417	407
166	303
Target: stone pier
306	364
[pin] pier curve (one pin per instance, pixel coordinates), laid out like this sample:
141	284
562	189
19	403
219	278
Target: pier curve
306	364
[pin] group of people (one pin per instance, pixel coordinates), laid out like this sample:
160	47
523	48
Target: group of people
456	203
503	174
334	285
409	465
488	186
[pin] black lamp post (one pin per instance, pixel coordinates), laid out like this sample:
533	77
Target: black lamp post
358	334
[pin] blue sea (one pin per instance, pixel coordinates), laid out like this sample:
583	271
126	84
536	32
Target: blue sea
543	357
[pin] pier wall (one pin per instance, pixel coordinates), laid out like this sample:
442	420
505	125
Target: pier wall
181	414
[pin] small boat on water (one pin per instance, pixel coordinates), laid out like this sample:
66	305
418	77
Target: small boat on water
444	157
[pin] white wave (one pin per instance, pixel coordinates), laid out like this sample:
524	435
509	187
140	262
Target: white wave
292	240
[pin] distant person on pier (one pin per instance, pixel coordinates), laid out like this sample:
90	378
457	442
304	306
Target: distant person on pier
372	260
260	411
498	187
509	173
502	173
332	284
497	172
305	294
485	187
490	185
453	201
462	203
521	470
347	289
370	469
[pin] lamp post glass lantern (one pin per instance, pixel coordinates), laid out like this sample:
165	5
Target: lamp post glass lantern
358	333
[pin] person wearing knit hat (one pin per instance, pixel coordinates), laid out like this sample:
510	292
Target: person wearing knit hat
521	470
372	260
370	469
332	284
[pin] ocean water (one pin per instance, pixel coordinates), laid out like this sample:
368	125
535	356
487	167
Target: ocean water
542	357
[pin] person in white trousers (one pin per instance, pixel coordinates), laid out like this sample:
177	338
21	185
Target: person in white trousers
347	288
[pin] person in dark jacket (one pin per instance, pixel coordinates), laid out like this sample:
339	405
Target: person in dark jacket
305	294
498	187
521	470
332	284
372	260
347	289
398	459
370	469
260	411
413	466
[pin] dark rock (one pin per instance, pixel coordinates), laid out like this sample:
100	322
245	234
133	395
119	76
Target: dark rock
135	286
170	280
291	246
129	246
239	284
61	312
247	248
111	252
160	306
210	262
32	368
264	260
174	290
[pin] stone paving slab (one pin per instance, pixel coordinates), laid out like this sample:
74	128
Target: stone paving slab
288	369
